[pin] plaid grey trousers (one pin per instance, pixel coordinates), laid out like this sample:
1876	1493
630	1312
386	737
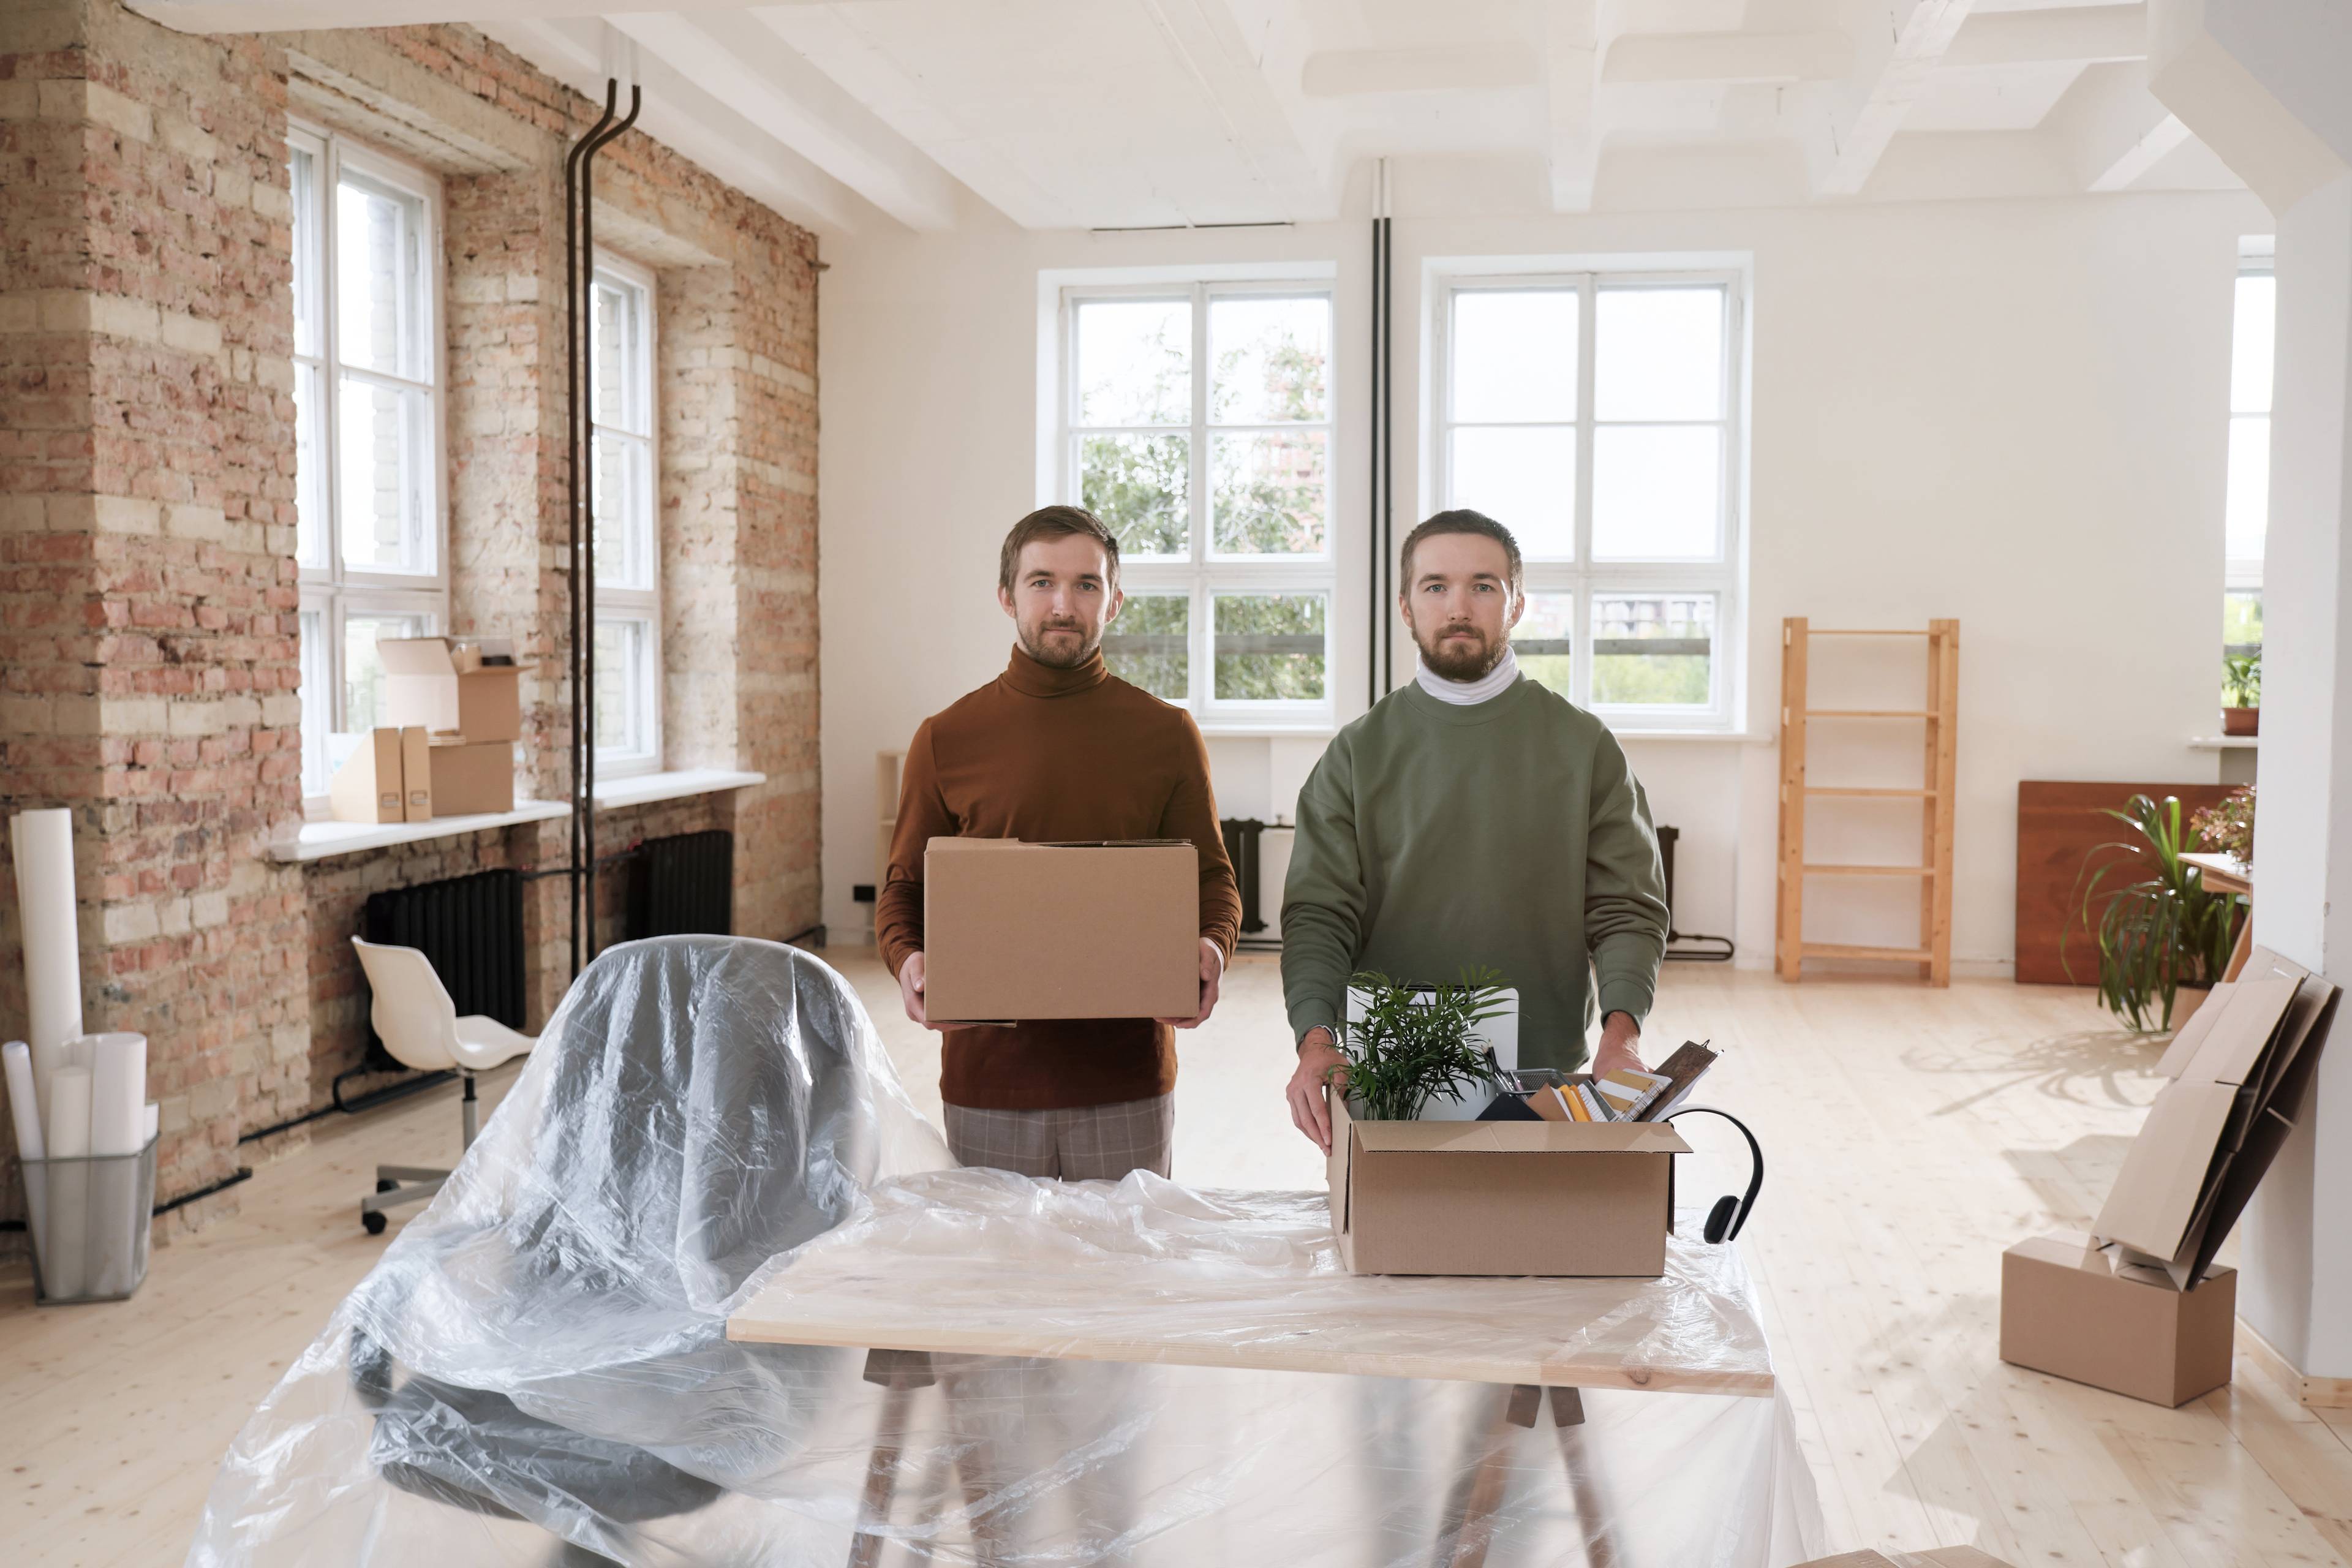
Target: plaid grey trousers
1086	1143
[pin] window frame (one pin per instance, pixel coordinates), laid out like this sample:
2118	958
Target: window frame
333	590
1202	574
1583	577
644	604
2242	574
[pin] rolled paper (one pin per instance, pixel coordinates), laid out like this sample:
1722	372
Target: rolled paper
78	1053
47	1057
24	1103
65	1256
118	1097
42	844
151	1123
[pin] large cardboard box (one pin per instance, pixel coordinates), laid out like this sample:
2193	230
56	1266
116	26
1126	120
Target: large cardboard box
368	786
471	779
443	685
2072	1309
1502	1197
1013	931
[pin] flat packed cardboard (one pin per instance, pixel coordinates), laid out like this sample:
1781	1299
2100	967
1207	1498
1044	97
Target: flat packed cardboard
1015	930
470	779
2240	1070
416	774
367	788
444	686
1579	1198
1938	1557
2076	1311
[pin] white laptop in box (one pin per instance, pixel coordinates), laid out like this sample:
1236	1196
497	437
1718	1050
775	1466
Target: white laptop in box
1501	1034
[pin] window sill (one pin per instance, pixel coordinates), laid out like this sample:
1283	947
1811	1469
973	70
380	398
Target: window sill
1735	736
324	840
643	789
2223	742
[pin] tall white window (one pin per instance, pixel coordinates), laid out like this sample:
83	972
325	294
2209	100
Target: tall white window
628	539
1197	425
1595	415
2246	511
372	534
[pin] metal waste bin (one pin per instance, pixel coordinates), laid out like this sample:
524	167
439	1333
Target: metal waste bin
91	1219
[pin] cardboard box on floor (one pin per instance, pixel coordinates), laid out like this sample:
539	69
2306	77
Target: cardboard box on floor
1938	1557
2241	1069
443	684
1013	931
1576	1198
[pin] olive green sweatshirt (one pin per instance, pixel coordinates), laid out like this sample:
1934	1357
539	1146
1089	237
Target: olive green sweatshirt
1510	835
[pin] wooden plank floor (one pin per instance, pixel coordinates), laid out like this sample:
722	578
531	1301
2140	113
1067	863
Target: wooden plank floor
1914	1134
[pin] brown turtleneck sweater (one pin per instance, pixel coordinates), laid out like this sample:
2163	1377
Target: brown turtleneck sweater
1054	755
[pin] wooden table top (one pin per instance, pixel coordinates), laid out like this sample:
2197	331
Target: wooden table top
985	1263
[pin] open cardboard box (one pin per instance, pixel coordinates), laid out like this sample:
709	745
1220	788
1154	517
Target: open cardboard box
1015	930
442	685
1576	1198
2239	1069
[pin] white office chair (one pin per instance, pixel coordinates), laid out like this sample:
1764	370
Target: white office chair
419	1025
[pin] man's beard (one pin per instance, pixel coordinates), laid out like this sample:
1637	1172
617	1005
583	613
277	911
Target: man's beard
1462	660
1035	645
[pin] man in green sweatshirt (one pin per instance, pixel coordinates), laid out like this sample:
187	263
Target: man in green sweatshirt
1473	819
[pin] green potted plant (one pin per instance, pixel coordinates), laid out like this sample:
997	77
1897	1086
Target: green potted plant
2241	693
1416	1044
2160	933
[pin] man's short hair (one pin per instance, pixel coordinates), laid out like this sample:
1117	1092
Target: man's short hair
1462	520
1057	522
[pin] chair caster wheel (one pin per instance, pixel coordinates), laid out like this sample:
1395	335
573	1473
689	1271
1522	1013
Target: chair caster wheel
374	1221
386	1185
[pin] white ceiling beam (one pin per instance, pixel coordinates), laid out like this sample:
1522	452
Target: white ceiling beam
1901	55
682	116
2144	153
1457	67
2086	32
1654	57
1207	39
1572	104
745	63
2109	130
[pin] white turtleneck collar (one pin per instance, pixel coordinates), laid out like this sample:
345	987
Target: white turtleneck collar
1467	693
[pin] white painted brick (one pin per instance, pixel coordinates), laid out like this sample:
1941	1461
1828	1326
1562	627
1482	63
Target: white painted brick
125	923
195	718
190	335
208	908
126	514
187	520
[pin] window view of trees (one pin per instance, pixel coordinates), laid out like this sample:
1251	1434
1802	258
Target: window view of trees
1210	488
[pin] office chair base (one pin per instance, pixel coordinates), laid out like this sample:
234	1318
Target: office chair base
396	1185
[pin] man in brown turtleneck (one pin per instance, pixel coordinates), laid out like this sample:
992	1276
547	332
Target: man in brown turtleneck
1057	748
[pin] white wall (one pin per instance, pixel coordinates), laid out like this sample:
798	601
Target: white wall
2011	412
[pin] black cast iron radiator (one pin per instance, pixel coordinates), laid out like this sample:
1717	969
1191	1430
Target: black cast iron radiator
471	929
684	886
1242	835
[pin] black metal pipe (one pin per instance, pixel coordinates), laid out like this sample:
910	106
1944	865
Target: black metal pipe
584	810
572	462
342	1107
1372	511
1388	436
242	1174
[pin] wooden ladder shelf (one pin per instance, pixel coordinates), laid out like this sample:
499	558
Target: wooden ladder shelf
1941	719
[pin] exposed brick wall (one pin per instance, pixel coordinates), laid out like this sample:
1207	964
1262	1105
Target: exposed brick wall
148	636
147	630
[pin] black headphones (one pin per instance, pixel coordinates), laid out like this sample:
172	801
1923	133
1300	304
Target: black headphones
1724	1220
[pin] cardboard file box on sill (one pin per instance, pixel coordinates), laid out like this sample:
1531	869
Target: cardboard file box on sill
1576	1198
1016	931
2076	1312
437	683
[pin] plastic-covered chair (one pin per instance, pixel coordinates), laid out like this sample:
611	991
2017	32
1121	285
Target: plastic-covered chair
420	1026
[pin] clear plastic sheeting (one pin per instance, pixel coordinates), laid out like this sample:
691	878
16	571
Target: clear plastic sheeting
538	1371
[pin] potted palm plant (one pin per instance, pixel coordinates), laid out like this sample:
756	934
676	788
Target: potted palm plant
2160	934
1416	1044
2241	694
